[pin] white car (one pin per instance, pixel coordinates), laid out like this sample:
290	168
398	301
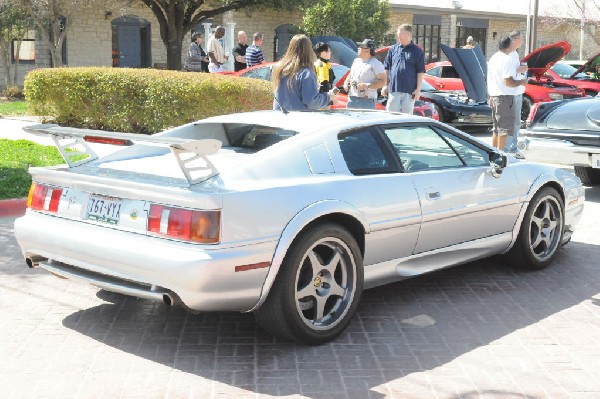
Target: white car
288	215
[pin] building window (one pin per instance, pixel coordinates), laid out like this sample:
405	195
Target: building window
23	49
479	35
428	37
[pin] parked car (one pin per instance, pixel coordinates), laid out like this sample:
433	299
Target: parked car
563	72
263	71
539	89
566	133
288	215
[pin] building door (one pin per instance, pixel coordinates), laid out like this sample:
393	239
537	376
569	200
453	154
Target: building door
131	42
130	47
283	35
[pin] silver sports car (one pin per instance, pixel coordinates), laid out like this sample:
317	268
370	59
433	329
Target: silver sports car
288	215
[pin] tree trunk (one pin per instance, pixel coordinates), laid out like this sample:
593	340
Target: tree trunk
174	51
16	68
6	60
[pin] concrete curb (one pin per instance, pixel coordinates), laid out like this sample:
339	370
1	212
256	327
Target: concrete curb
13	207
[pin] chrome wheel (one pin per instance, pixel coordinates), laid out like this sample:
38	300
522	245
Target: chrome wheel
325	283
540	235
318	287
545	228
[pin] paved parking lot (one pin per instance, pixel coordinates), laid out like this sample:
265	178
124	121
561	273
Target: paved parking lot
481	330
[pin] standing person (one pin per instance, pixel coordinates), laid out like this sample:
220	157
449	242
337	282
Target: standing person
366	76
501	82
254	54
215	51
470	43
197	59
516	40
295	79
239	52
325	75
405	66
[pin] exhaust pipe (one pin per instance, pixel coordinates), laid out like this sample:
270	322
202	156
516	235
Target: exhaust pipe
168	300
34	261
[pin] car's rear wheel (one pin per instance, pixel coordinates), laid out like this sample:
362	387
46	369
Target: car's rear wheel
541	231
318	287
526	106
588	175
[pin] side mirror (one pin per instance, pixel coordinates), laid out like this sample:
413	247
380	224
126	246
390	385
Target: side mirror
498	162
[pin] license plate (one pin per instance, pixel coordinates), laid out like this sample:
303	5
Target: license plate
595	160
104	209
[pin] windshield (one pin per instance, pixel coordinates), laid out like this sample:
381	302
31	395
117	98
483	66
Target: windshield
339	71
565	71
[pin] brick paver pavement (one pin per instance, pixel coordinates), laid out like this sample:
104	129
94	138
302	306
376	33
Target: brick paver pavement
481	330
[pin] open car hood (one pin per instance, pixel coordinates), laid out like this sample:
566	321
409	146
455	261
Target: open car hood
471	67
592	64
541	59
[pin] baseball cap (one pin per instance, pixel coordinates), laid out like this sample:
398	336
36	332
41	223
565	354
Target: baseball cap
367	43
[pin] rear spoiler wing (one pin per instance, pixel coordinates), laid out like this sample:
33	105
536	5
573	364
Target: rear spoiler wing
186	151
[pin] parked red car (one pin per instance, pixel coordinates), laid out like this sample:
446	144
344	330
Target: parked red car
584	76
442	75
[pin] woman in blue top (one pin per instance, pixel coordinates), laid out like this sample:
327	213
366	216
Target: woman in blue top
295	79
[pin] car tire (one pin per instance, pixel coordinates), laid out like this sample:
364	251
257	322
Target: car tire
318	287
588	175
526	106
590	93
540	235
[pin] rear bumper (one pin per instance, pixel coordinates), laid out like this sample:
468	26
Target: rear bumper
203	277
559	152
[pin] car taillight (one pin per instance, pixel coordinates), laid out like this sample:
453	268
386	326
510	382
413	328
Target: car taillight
185	224
531	115
44	198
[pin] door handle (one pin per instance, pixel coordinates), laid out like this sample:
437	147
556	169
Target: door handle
434	195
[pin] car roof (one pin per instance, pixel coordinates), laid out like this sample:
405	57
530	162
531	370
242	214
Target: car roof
307	121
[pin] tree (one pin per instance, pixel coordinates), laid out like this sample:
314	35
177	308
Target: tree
176	18
14	25
356	19
579	14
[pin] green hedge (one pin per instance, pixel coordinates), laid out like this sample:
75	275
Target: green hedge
139	100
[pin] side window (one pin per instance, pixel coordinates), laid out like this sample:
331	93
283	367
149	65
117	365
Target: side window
365	152
469	153
435	71
422	148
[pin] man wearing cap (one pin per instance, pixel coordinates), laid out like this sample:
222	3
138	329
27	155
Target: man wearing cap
470	43
405	67
365	77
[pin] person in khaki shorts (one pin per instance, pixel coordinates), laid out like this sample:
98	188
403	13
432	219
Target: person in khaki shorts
500	82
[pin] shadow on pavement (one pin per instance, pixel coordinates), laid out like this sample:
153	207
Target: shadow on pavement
400	329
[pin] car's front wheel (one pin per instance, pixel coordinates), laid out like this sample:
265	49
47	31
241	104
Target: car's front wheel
318	287
541	231
588	175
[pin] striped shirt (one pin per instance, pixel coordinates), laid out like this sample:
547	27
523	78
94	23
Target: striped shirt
254	56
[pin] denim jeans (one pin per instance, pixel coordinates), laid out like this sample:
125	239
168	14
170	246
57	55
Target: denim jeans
511	140
360	103
400	102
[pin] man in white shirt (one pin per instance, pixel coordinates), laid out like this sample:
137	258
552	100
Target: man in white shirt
519	73
366	76
215	51
501	82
